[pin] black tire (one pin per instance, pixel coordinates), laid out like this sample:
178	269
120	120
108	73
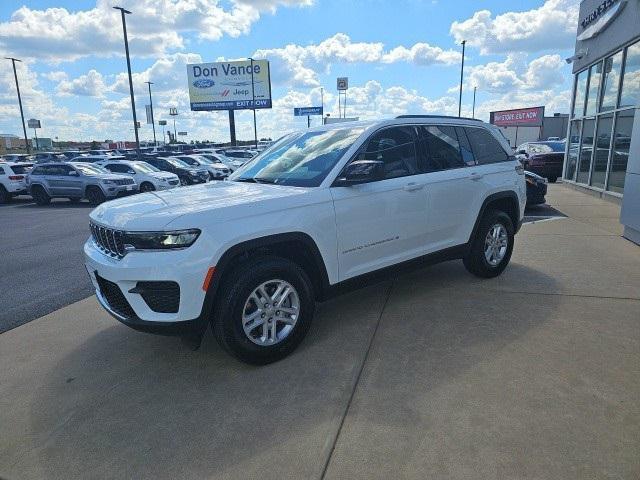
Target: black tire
552	179
147	187
40	196
475	260
235	291
95	196
184	182
5	197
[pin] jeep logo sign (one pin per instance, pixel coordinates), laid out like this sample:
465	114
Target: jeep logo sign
241	85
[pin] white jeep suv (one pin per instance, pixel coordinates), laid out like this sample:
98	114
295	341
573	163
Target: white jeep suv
252	255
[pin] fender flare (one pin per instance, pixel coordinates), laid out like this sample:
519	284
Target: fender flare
507	194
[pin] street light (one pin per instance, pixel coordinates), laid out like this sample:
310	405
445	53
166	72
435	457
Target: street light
24	129
461	77
173	111
133	101
253	104
153	124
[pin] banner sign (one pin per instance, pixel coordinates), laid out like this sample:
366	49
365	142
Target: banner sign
306	111
521	117
148	111
162	122
33	123
183	134
229	85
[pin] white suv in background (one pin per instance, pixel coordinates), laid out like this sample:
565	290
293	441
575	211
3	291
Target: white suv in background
148	177
13	180
251	256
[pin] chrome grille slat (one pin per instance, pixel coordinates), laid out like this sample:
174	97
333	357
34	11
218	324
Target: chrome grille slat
108	240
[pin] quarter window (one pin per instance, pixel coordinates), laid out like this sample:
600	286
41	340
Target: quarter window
395	147
485	146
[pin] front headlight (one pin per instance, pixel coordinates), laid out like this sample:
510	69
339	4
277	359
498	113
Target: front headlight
160	240
193	174
109	182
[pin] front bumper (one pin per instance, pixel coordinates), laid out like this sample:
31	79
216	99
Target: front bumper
114	191
180	266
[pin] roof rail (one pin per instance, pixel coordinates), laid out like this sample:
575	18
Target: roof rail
439	116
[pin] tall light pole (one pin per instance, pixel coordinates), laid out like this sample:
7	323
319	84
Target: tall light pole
153	123
473	109
253	104
173	111
133	101
461	78
24	129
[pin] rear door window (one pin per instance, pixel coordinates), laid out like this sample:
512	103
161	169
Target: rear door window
485	146
395	146
440	148
465	147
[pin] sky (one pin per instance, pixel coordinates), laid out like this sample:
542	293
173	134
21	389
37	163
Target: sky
401	57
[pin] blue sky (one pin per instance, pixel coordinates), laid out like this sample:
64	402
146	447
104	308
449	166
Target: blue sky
400	57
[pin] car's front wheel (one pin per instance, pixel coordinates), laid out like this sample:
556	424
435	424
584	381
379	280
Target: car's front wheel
183	182
264	310
40	195
147	187
95	196
492	245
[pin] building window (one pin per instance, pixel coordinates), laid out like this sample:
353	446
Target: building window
630	95
586	149
611	81
581	92
574	145
621	143
601	155
595	72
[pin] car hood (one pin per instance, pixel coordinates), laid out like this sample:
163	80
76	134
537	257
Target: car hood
224	200
167	175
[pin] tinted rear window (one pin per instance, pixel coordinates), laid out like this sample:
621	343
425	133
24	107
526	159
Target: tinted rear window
440	148
20	169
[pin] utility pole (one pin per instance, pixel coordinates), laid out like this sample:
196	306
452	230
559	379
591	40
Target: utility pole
473	110
253	104
173	111
461	78
133	101
153	123
24	128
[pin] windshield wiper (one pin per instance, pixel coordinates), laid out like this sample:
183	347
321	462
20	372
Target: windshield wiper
248	180
255	180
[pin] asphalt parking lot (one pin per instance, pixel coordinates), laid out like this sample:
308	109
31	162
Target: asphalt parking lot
429	374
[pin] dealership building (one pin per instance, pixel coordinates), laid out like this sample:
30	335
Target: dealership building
603	144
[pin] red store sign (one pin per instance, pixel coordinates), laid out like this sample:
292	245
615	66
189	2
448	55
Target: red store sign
521	117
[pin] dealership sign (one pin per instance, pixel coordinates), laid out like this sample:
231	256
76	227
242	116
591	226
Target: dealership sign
599	18
521	117
229	85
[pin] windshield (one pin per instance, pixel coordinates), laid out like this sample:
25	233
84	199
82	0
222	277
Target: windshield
89	169
177	162
546	147
144	167
190	161
299	160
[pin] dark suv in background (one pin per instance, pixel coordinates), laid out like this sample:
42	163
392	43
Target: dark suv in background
187	174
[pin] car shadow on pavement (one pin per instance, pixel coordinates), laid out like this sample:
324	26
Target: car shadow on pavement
129	405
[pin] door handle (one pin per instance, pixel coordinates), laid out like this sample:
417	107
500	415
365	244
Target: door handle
476	175
410	187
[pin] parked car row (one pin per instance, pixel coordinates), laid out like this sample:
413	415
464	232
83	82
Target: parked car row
97	176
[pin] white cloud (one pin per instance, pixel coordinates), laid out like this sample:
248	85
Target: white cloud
551	26
57	34
88	85
299	65
55	76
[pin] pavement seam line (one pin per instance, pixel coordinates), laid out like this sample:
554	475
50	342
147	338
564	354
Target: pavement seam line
357	382
520	292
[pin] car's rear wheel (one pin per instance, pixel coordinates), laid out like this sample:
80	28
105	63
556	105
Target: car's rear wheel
492	246
95	196
40	195
5	197
264	310
147	187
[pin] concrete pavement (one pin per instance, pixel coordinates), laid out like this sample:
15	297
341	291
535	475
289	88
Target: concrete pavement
431	374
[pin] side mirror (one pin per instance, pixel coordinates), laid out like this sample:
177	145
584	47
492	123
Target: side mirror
361	171
131	172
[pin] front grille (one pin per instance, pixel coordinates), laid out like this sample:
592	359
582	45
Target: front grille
114	297
161	297
108	240
124	181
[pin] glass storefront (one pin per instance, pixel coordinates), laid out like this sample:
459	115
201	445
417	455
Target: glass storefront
605	97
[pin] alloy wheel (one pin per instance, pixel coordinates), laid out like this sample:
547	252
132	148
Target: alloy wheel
495	244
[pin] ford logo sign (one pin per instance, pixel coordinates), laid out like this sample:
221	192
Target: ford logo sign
204	83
